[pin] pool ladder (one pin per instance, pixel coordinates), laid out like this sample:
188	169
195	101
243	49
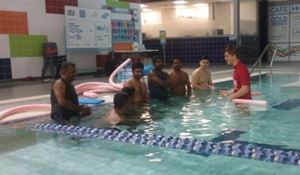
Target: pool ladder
272	60
258	62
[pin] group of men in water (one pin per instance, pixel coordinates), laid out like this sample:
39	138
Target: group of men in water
64	99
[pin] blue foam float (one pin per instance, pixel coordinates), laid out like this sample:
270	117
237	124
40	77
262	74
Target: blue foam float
90	101
147	69
200	147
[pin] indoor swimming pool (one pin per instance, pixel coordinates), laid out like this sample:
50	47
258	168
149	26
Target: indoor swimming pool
204	116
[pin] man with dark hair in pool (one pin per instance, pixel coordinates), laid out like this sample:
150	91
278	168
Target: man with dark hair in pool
201	77
241	76
158	80
140	88
64	100
116	115
179	79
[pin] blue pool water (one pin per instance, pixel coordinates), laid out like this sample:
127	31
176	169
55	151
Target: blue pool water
203	116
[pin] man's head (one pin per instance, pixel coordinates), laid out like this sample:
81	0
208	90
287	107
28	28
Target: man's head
158	62
121	100
137	70
231	55
68	71
204	62
177	63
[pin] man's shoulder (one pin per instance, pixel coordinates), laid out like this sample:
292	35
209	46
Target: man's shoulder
242	67
184	73
58	82
130	81
172	72
196	70
166	73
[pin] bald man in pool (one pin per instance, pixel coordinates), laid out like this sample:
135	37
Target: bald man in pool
64	100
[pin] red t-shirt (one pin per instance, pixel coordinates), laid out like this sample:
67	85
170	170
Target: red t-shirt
241	77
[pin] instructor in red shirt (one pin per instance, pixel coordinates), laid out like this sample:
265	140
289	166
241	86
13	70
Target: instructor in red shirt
241	77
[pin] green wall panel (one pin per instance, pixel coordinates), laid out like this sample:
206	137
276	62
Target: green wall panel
117	4
27	45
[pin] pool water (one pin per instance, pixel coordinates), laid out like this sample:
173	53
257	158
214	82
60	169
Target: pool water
203	116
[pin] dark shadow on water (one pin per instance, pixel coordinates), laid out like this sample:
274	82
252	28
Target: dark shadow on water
287	105
228	135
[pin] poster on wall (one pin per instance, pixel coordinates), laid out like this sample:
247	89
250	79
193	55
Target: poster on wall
295	28
279	23
126	26
80	34
137	19
103	33
124	31
295	23
279	28
88	28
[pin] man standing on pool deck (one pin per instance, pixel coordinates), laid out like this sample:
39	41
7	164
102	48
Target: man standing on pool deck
64	100
241	77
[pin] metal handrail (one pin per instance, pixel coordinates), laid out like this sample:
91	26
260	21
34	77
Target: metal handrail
258	61
272	60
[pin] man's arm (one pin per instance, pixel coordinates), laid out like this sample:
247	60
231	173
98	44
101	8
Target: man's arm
188	84
241	92
232	95
112	117
157	81
154	79
226	93
210	83
146	96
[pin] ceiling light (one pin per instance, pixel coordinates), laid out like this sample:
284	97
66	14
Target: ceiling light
143	5
179	2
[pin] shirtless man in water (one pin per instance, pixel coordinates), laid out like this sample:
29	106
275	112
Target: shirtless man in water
201	77
64	100
179	79
140	89
158	80
116	114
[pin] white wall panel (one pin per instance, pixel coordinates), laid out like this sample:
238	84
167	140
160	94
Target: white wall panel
26	66
4	46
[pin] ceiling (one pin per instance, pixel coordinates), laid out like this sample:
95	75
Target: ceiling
170	1
166	4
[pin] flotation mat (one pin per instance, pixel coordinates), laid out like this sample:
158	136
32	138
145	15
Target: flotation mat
90	101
